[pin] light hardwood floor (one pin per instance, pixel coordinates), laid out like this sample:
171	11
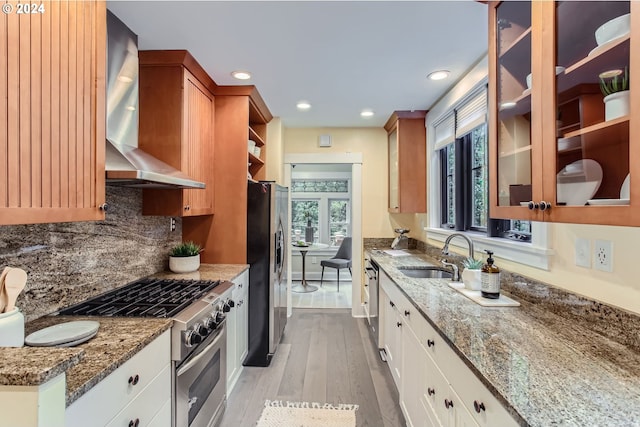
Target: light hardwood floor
325	356
326	296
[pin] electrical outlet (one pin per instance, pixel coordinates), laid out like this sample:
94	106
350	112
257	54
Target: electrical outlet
603	255
583	252
172	224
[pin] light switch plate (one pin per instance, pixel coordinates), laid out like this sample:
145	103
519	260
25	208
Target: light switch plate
583	252
603	255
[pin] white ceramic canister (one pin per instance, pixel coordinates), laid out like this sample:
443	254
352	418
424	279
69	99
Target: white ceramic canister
12	328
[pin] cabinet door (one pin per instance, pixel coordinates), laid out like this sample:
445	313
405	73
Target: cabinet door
198	145
414	367
52	103
515	172
394	178
589	151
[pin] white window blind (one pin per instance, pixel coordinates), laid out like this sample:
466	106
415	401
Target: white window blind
472	112
444	131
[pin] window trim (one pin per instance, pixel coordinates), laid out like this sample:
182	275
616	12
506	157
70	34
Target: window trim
535	254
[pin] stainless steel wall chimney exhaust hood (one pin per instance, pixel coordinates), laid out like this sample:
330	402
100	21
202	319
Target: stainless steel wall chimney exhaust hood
126	164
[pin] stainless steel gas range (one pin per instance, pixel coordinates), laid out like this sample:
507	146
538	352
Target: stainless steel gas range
198	337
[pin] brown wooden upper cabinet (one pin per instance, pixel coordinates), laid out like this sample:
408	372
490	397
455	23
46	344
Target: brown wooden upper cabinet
52	104
559	149
407	162
177	126
241	115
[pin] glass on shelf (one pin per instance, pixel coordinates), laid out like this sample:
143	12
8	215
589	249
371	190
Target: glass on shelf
594	49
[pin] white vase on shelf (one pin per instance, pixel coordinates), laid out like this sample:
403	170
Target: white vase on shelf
616	105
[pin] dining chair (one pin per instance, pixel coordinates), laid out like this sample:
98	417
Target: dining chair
342	259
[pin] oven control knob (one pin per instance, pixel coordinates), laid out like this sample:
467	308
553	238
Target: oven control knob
210	323
228	304
201	330
191	338
217	318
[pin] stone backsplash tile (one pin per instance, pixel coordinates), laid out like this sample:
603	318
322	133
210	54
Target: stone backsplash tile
612	322
70	262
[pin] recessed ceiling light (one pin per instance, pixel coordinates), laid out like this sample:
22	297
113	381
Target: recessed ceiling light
438	75
241	75
131	108
366	113
125	79
303	105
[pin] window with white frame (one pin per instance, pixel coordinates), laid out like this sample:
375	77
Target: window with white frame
461	140
322	202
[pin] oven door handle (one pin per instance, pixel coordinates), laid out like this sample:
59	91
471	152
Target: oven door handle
202	354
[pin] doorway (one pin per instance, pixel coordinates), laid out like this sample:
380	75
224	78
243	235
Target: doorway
319	167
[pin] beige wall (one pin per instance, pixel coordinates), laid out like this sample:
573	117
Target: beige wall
372	143
620	287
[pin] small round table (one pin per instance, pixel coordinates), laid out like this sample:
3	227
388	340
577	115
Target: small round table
303	286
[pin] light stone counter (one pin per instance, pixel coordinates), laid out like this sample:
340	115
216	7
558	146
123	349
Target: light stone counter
546	369
208	272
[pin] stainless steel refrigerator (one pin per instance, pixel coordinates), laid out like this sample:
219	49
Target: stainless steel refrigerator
267	213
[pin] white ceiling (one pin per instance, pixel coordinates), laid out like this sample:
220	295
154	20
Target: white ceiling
341	56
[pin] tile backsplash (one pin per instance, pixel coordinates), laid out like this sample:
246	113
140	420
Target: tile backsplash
70	262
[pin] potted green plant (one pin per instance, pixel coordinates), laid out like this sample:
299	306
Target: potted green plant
185	257
614	85
471	275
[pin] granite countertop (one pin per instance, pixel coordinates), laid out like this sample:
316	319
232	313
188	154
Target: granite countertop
546	369
208	272
118	340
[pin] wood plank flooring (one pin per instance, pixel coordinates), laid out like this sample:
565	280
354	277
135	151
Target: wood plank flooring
326	296
325	356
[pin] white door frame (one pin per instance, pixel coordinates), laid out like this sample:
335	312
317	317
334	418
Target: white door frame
355	160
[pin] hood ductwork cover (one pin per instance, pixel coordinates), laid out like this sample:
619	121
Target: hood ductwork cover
126	164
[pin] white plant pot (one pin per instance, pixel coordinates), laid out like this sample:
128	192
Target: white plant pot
184	264
616	105
472	279
12	328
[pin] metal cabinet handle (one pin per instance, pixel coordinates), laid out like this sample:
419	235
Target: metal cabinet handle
431	391
478	406
104	207
545	205
430	343
133	380
448	403
135	423
391	304
398	324
406	313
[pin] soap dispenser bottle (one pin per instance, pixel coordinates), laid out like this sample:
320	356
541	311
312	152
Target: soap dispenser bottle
490	277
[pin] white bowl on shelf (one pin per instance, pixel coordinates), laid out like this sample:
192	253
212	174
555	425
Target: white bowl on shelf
256	151
251	145
559	69
613	29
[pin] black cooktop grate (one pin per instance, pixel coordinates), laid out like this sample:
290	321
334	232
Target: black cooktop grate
144	298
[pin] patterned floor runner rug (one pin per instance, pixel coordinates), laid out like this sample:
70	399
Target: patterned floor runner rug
277	413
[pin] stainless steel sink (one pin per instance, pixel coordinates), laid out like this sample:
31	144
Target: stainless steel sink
426	272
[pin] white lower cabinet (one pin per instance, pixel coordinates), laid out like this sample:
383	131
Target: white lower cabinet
238	330
137	390
436	388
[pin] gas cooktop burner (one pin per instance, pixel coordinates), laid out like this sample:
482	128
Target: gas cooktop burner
144	298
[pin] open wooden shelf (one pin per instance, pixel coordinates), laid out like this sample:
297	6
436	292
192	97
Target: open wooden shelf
514	152
524	38
253	135
599	127
255	160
